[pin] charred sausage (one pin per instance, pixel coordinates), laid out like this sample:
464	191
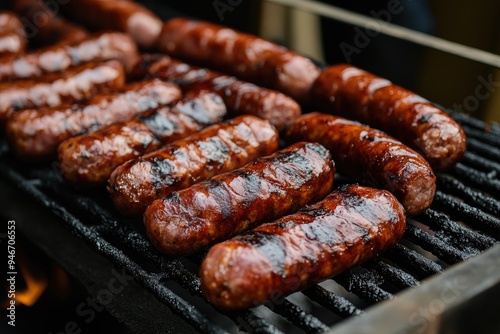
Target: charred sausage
89	159
353	93
43	26
208	212
371	156
348	227
34	134
122	15
240	97
246	56
214	150
58	58
76	85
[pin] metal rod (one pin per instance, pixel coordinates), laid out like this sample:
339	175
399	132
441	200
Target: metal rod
393	30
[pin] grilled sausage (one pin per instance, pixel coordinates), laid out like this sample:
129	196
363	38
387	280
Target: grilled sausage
58	58
76	85
88	160
11	44
348	227
189	220
9	22
34	134
371	156
121	15
43	26
214	150
353	93
246	56
240	97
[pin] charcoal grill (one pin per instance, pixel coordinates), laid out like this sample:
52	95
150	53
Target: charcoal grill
443	276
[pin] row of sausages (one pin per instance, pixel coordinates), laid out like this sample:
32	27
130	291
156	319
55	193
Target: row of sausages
161	144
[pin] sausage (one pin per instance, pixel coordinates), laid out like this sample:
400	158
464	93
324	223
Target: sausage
246	56
88	160
12	38
43	26
76	85
240	97
208	212
122	15
350	92
9	22
371	156
60	57
214	150
11	44
34	134
348	227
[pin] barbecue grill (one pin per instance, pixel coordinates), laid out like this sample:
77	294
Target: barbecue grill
438	278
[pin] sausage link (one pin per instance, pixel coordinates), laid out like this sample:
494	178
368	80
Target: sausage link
348	227
11	44
43	26
240	97
371	156
9	22
74	86
214	150
58	58
35	134
192	219
88	160
122	15
246	56
353	93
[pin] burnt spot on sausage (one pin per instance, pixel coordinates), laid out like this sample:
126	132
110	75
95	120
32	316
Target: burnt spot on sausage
424	119
222	197
271	246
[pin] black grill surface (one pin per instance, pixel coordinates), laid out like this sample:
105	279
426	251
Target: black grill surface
462	223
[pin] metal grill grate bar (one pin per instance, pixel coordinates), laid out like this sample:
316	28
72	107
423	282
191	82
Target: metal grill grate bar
480	180
468	214
489	138
395	276
413	261
298	317
438	247
477	161
458	234
472	197
484	149
332	301
367	289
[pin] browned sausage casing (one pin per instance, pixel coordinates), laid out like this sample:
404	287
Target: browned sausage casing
74	86
88	160
58	58
192	219
11	44
214	150
348	227
43	26
371	156
353	93
122	15
240	97
246	56
35	134
9	22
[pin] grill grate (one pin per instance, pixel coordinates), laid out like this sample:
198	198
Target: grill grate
462	222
